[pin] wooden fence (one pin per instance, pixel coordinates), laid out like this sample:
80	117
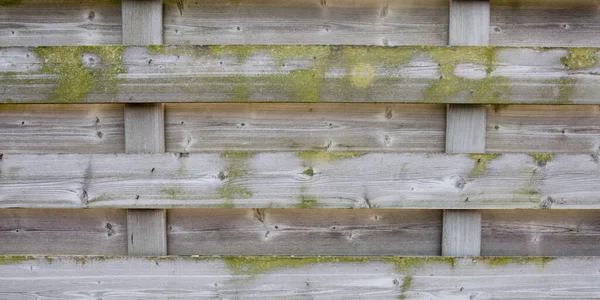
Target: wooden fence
302	149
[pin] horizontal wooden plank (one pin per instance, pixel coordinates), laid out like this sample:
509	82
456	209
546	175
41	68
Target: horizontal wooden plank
63	231
547	128
53	128
540	233
60	22
303	179
300	74
307	126
196	127
315	278
331	22
546	23
304	232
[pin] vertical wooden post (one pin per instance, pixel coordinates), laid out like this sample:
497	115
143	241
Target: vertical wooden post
465	126
144	128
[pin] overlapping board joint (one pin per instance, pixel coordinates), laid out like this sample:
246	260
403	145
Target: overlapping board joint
411	74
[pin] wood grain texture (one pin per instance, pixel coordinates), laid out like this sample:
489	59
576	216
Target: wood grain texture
144	128
304	22
304	232
317	278
63	231
548	128
302	127
465	128
142	22
60	23
469	23
300	74
49	128
146	232
461	234
546	23
305	179
548	233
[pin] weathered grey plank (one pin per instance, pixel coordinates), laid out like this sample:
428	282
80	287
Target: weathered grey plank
304	179
300	74
144	128
301	127
332	22
555	233
49	128
465	126
316	278
142	22
551	129
304	232
548	23
60	22
63	231
469	23
461	235
146	231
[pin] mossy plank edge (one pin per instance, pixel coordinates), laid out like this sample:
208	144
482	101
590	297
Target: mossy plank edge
297	74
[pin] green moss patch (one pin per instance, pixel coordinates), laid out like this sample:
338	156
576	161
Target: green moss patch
317	156
13	259
75	79
503	261
580	58
481	162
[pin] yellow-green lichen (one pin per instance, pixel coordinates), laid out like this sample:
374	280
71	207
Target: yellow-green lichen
580	58
237	167
407	264
315	156
262	265
406	283
171	192
481	161
503	261
49	260
307	202
558	89
486	90
541	158
13	259
77	79
310	172
10	2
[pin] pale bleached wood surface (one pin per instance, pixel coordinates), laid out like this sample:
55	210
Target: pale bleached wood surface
63	231
300	74
331	22
305	179
562	233
316	278
304	232
49	128
301	127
